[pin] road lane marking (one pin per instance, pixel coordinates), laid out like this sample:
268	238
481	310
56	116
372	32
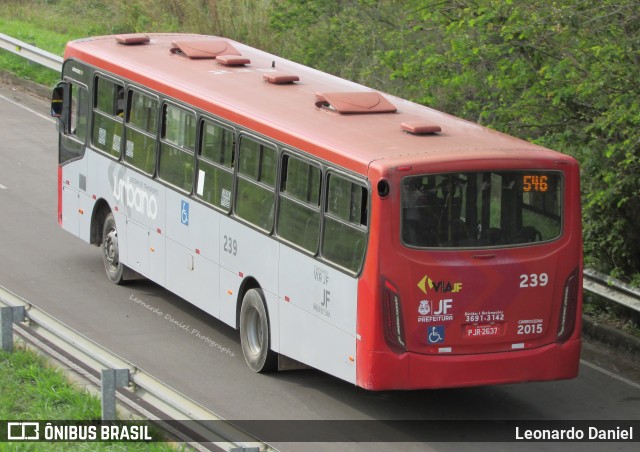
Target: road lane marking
45	117
610	374
2	187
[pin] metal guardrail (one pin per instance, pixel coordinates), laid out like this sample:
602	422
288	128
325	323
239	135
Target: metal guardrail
48	335
31	53
611	289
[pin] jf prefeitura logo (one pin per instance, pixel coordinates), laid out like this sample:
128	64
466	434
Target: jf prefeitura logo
86	431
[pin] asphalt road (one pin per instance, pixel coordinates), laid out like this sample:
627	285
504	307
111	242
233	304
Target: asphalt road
201	357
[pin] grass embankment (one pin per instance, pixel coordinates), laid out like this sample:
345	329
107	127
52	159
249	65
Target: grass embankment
30	390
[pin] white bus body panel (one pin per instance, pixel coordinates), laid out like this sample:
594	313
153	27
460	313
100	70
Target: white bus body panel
192	251
317	314
73	177
245	252
204	256
70	204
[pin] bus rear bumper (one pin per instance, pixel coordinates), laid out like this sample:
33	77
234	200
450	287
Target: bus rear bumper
408	370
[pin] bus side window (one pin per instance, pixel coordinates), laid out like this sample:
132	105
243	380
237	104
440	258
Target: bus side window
345	223
142	126
255	197
107	116
299	208
177	147
75	124
215	165
79	98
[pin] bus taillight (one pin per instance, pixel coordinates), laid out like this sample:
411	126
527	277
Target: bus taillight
568	308
392	317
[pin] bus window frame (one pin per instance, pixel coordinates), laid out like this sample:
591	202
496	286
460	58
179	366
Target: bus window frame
130	88
94	111
363	183
65	120
238	175
202	119
288	152
166	101
561	201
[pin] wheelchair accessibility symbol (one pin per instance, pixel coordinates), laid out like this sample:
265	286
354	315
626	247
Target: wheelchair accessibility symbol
436	334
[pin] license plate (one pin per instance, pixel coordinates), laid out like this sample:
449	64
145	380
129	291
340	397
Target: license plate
483	330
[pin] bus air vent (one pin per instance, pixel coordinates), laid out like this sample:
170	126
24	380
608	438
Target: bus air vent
232	60
132	38
203	48
278	78
355	102
420	128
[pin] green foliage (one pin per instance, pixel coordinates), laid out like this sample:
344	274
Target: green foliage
31	391
562	73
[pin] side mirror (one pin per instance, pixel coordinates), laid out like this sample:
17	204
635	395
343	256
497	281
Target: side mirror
57	100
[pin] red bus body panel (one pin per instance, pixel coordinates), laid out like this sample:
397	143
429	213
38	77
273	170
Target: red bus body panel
464	283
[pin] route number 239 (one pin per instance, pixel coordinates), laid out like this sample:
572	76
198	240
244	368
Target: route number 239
534	280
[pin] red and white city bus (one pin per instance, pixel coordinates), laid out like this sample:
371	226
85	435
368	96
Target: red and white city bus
380	241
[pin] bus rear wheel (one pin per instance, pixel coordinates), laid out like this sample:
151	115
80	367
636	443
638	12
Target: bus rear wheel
111	252
254	333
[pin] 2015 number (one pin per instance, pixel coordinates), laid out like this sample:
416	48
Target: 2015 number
534	280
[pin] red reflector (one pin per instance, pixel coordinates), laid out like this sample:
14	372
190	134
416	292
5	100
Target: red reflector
388	285
286	298
115	208
94	197
197	251
240	274
159	231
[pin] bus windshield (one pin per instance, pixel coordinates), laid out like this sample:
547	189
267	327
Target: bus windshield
481	209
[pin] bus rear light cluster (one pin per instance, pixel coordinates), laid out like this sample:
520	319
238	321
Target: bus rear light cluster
568	308
392	317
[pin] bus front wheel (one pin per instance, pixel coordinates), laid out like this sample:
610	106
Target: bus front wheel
111	252
254	333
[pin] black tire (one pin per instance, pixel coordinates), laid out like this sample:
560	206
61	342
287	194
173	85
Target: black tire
254	333
110	252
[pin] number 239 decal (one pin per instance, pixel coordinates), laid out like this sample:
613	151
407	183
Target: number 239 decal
534	280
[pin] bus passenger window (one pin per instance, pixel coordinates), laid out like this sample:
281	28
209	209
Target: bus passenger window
215	166
75	125
345	223
177	147
142	125
299	210
255	197
107	120
79	97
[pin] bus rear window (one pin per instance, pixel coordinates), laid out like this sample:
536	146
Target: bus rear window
481	209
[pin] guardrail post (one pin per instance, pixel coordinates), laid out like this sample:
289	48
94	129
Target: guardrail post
112	379
9	316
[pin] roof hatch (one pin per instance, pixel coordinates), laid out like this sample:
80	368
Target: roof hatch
279	78
132	38
203	48
355	102
232	60
420	128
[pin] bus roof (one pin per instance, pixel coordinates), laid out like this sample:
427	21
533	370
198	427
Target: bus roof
291	108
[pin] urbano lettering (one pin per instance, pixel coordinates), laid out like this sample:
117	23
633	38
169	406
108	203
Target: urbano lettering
136	198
